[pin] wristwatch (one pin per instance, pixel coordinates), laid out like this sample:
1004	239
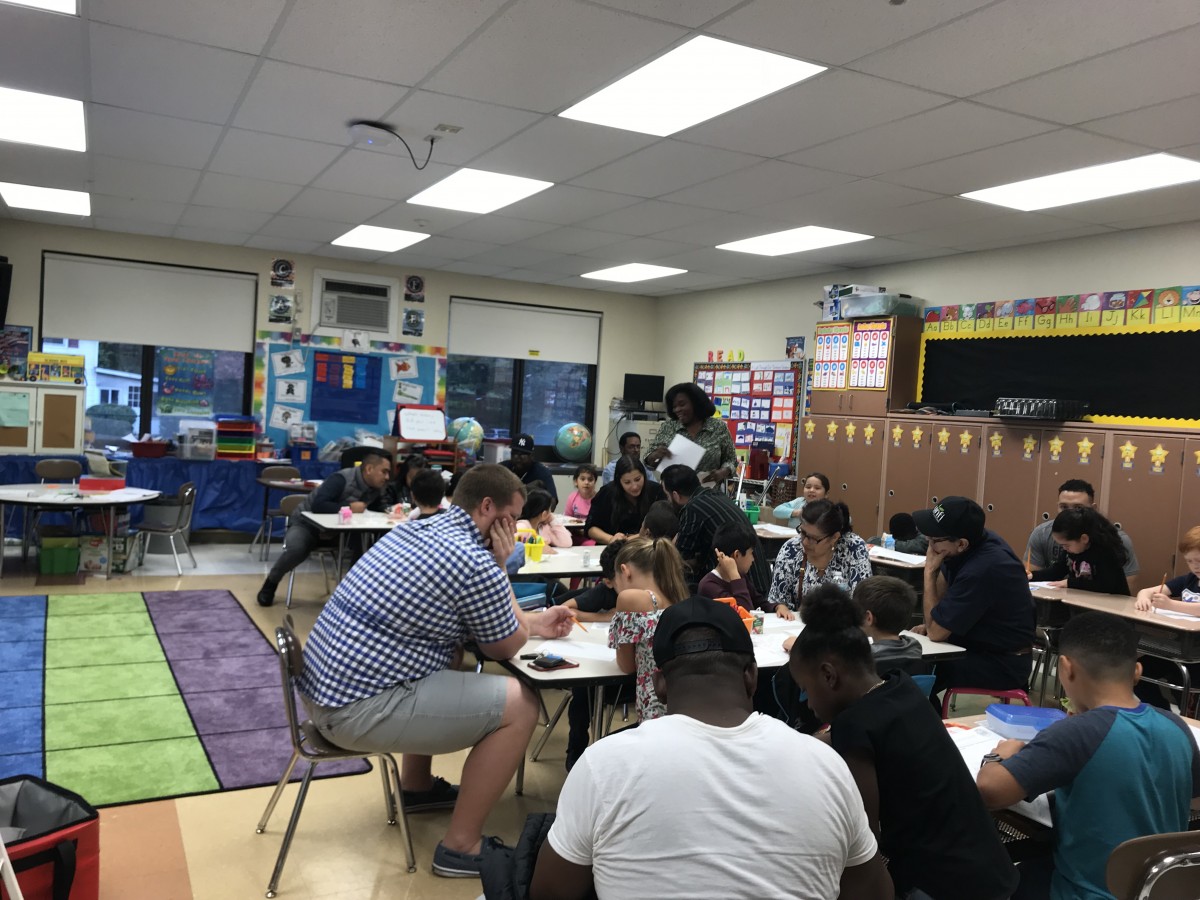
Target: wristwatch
990	758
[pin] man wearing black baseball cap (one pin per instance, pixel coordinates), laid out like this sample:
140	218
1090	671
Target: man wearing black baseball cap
676	807
976	595
532	473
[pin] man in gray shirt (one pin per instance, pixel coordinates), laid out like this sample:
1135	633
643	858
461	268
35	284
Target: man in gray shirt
1042	549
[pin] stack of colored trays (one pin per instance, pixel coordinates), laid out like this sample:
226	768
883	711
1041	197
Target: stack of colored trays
235	437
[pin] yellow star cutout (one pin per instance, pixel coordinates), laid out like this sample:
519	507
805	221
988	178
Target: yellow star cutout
809	427
1085	447
850	429
1029	443
996	440
1158	455
869	433
897	434
917	434
1056	445
1197	452
964	439
831	429
1127	451
942	437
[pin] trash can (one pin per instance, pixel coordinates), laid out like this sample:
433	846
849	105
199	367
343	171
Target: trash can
53	839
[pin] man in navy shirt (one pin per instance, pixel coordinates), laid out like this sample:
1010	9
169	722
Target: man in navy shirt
977	596
527	469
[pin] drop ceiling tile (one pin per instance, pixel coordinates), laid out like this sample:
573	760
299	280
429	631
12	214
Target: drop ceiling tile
860	253
380	39
727	262
579	49
1042	154
1192	152
1169	218
570	265
1008	41
1021	227
694	281
831	105
1102	86
43	53
145	137
637	250
721	229
649	217
211	235
244	26
336	206
757	185
305	103
568	239
451	248
303	229
272	157
284	245
532	276
425	219
150	211
637	288
936	134
915	252
234	220
865	194
131	226
835	33
691	13
160	75
351	253
495	229
566	205
1165	126
43	166
913	217
557	149
1017	241
145	181
379	175
1163	202
516	257
664	167
411	259
235	192
470	267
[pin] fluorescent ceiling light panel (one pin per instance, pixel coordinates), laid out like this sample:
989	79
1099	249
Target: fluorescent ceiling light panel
1080	185
372	237
29	118
795	240
694	82
27	196
477	191
633	272
70	7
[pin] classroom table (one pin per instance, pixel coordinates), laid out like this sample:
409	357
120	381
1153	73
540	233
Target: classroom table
773	537
571	523
70	497
565	562
291	486
369	524
894	559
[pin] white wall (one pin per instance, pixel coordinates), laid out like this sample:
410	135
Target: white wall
627	336
757	318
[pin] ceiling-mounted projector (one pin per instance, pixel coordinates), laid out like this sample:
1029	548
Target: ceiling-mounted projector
376	134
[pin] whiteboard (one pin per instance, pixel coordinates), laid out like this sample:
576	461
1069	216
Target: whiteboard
422	423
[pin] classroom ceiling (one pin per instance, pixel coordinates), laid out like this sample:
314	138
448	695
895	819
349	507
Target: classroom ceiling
226	122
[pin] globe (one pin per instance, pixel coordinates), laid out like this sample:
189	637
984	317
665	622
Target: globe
573	442
467	433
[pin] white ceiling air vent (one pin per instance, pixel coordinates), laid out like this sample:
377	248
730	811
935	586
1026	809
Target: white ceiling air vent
361	302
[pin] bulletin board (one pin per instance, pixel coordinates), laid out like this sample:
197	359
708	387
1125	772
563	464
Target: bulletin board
313	380
759	401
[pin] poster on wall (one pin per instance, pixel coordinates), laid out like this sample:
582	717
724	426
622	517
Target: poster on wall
283	273
291	390
185	382
794	348
281	309
414	322
287	362
345	387
414	289
15	341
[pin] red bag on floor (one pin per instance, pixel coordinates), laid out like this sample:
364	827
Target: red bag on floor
53	839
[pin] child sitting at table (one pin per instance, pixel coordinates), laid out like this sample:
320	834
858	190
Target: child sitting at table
1119	768
538	517
648	578
1094	555
903	528
428	490
734	546
932	825
1180	594
887	606
579	501
661	521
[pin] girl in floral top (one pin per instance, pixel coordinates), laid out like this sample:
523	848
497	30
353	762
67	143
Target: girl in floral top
648	577
826	552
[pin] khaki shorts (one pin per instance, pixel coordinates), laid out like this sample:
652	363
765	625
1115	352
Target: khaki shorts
441	713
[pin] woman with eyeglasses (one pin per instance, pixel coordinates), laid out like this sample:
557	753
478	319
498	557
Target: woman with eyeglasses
827	551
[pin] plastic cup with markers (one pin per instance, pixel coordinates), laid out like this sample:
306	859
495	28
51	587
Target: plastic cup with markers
533	549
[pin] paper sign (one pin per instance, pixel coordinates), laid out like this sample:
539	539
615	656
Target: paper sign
291	390
14	409
407	392
284	416
422	424
403	367
356	341
684	452
287	362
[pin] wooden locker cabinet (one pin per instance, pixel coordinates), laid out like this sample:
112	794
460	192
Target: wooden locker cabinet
901	366
850	451
1189	500
955	458
1068	453
906	464
1145	480
42	419
1010	472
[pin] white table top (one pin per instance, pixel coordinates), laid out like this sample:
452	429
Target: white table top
363	521
69	495
896	559
565	561
774	532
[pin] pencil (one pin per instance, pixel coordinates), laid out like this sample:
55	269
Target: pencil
1028	571
578	623
1162	588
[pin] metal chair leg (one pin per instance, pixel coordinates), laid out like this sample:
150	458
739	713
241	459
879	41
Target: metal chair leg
291	830
257	535
287	773
291	581
548	728
188	548
402	816
178	567
521	776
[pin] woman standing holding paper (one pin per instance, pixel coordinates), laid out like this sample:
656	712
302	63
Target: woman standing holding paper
691	416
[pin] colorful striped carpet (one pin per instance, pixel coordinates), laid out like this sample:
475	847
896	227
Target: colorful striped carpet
131	697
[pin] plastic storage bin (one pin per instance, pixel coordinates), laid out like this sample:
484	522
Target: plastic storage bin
53	839
867	305
1021	723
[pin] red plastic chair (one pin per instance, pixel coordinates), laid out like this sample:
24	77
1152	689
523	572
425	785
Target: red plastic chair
1002	696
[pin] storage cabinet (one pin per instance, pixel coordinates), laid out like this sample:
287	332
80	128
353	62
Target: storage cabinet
1067	454
906	464
1189	500
866	367
850	451
41	419
1010	473
955	457
1145	480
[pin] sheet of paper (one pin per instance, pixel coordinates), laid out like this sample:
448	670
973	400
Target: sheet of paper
14	409
1171	614
913	558
768	649
291	390
976	743
283	416
1195	734
576	650
766	528
1038	585
407	392
403	367
683	452
287	362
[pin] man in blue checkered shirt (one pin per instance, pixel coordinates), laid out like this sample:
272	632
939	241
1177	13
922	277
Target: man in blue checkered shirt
381	665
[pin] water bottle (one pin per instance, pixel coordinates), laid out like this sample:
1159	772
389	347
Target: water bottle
587	558
889	542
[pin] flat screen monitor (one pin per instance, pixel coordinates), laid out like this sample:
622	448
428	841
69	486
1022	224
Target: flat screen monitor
644	388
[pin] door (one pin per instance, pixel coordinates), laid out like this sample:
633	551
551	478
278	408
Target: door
1066	455
854	478
18	413
906	465
1010	477
1146	479
60	420
954	460
1189	499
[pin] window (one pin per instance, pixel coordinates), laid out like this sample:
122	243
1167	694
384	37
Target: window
181	383
553	394
482	387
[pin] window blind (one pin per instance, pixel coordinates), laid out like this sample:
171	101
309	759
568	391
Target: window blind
520	331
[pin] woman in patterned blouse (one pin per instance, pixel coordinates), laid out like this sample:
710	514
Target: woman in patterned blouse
826	552
691	411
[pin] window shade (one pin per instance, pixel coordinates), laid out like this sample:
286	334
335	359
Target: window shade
142	303
517	331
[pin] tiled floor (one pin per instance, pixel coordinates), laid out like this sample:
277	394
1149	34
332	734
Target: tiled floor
205	847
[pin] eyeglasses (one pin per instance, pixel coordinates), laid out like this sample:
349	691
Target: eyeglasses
811	538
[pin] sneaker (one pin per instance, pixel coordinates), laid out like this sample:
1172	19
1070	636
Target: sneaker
442	795
266	596
453	864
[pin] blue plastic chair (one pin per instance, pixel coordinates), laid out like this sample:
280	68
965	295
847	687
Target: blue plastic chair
924	682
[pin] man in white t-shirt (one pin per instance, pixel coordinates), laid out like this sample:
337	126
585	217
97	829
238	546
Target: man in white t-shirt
684	807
